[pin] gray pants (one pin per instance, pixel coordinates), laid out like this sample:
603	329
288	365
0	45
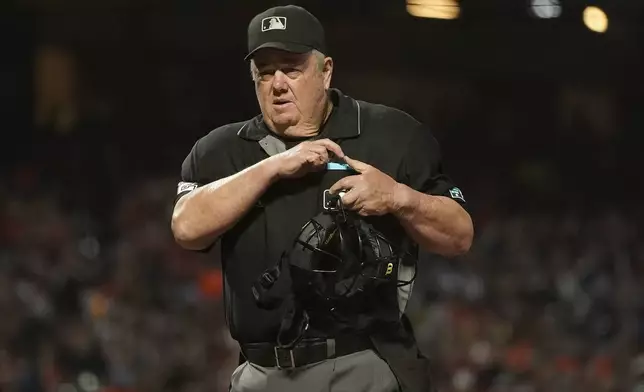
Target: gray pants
363	371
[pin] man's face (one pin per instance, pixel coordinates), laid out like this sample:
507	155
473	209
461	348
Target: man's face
291	88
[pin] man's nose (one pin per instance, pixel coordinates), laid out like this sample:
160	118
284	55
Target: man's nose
279	81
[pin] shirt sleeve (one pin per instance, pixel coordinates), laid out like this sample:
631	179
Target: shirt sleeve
210	159
190	177
204	164
423	168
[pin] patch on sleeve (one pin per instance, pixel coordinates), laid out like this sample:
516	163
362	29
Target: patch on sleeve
186	187
455	193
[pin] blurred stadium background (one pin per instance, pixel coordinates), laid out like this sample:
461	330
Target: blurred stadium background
537	105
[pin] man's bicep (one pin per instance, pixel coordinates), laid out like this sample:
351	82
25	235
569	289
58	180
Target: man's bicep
424	169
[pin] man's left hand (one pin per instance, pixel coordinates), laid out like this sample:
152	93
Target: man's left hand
369	193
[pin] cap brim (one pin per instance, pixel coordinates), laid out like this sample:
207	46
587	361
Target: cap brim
285	46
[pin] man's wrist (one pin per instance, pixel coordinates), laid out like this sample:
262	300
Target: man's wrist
404	201
271	167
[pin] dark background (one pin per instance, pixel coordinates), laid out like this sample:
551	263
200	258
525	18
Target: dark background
540	122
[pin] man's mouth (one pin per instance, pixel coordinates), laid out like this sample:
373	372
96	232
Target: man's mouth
281	102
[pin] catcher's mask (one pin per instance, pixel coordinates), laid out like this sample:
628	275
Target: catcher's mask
338	254
335	256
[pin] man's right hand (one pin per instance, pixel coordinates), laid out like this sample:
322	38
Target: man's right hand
306	157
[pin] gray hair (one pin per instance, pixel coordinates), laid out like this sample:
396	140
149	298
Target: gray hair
319	59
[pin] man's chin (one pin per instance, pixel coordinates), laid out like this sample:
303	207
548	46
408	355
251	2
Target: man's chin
284	121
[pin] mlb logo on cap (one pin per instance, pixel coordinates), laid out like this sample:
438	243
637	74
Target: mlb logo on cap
274	23
270	29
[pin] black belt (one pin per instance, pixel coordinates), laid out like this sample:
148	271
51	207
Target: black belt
306	352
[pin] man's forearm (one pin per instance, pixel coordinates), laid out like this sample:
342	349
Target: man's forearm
209	211
438	224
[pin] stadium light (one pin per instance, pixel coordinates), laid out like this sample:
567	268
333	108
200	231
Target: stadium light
595	19
436	9
546	9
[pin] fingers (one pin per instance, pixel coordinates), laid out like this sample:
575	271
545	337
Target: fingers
317	159
331	146
320	150
345	183
315	155
353	200
356	164
350	198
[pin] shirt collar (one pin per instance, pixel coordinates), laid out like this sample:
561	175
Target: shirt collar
344	122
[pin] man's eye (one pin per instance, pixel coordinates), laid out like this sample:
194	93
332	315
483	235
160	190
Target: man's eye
265	75
291	72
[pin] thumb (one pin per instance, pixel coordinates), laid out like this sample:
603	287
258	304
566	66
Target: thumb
356	164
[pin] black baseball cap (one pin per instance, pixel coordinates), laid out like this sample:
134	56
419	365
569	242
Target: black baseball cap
290	28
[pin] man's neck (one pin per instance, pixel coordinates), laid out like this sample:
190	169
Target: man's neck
310	129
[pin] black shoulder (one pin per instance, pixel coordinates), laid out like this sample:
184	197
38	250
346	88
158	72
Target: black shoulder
210	156
219	138
388	113
388	119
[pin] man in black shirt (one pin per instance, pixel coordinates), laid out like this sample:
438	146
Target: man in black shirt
253	184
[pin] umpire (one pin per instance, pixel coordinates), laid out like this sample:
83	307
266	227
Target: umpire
252	185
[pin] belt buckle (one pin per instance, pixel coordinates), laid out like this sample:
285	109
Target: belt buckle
277	358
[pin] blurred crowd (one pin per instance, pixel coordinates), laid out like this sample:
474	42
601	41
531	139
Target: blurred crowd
109	305
95	300
547	301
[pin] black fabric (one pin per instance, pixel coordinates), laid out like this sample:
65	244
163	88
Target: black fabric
396	345
423	167
262	287
306	352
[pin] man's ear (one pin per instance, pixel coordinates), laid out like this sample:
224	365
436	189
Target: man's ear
327	70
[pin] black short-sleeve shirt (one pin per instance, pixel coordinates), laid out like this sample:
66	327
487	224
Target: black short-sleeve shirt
384	137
